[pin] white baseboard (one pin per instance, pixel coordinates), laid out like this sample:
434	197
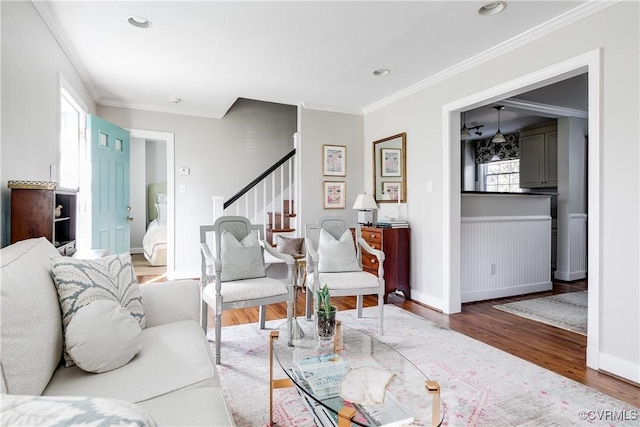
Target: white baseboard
569	276
136	251
506	292
425	299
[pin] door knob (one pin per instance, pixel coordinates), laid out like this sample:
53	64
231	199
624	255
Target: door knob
130	219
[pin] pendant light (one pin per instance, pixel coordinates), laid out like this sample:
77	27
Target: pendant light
464	132
498	137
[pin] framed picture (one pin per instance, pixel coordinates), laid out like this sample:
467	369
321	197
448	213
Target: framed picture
392	191
334	160
391	162
334	194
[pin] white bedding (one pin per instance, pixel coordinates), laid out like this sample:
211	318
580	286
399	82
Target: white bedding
154	243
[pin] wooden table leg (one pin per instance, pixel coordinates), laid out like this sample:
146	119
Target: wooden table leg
434	389
345	415
274	383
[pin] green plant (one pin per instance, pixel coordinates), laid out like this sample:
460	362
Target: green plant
324	300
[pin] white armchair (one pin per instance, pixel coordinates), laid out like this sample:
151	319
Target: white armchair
333	260
235	276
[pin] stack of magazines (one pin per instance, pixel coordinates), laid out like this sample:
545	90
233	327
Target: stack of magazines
396	223
322	374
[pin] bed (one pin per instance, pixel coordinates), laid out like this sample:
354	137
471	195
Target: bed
154	242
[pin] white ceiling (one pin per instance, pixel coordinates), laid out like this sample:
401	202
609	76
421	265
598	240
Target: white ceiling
319	53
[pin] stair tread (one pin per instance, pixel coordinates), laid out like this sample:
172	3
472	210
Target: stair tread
281	230
289	215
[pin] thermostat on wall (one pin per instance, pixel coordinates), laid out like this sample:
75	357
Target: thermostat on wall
184	171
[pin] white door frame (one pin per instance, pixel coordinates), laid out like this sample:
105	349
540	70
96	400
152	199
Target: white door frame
170	140
589	62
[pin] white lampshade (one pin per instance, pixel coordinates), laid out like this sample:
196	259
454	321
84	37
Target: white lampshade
364	202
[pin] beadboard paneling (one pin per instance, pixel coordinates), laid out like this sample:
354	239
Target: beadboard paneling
505	256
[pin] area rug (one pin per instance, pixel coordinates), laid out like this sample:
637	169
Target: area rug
566	311
480	385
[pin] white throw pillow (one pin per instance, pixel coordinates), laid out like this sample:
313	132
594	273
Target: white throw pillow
103	336
337	255
81	282
241	260
161	209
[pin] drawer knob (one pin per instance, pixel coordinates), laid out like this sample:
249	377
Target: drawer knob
372	236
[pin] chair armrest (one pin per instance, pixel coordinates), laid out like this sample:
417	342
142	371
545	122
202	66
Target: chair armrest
288	259
166	302
367	247
210	259
312	255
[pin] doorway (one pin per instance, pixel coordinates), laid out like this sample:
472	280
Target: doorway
586	63
139	136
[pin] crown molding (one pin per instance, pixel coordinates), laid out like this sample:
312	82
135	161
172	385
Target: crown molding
583	11
154	108
50	19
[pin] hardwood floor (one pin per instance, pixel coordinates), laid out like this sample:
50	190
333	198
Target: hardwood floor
555	349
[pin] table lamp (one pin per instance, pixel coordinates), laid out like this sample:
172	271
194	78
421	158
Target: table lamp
365	203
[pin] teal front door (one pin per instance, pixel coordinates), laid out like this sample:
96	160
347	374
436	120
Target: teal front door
110	209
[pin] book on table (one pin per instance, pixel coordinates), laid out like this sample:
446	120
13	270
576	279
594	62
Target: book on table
322	374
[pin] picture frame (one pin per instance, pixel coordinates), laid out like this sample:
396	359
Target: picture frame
334	160
392	190
391	159
334	194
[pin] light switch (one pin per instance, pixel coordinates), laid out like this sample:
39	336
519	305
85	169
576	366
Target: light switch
429	186
182	189
184	171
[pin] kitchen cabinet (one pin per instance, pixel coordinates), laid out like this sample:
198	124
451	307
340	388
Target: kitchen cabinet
33	214
539	157
395	244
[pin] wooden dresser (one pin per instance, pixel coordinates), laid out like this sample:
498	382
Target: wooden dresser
33	215
395	244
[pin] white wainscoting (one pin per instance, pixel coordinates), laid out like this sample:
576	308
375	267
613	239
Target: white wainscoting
577	257
504	256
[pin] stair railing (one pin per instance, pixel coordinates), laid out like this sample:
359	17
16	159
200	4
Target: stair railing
266	193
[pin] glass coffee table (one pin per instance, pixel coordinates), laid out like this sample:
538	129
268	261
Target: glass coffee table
409	396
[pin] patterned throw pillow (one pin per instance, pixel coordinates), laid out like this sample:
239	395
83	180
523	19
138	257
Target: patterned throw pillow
290	246
337	255
241	260
81	282
21	410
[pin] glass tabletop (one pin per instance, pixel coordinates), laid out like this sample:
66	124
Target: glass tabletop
362	361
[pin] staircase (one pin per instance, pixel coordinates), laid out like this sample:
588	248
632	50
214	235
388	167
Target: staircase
281	222
269	199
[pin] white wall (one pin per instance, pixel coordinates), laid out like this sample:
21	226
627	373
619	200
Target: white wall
31	64
615	30
322	127
223	155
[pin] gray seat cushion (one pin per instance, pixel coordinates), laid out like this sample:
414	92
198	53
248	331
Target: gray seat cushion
204	406
174	356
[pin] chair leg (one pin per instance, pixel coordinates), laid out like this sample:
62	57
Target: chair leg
380	315
309	303
262	315
359	303
218	336
204	315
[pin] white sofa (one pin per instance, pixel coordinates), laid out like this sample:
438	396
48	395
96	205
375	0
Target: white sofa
173	379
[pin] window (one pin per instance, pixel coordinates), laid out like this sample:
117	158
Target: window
502	176
72	126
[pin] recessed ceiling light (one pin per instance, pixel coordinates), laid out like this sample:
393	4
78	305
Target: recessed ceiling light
176	100
139	22
381	72
492	8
